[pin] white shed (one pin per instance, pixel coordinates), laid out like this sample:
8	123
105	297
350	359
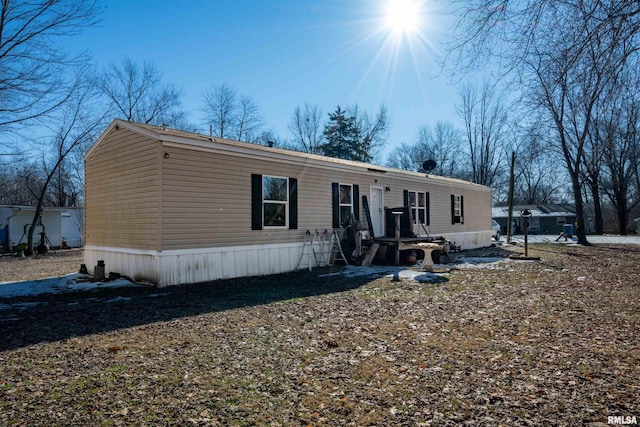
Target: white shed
60	224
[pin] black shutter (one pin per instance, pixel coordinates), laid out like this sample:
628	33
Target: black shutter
461	210
428	206
335	204
256	202
409	211
356	202
293	203
453	209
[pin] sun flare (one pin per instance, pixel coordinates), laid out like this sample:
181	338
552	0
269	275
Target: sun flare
398	34
402	16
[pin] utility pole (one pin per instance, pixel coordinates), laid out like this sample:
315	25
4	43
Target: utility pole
510	199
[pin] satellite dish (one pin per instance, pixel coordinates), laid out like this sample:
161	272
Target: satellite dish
429	165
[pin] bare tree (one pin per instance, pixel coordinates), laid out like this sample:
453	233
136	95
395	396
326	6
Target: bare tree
560	93
373	131
64	190
269	138
247	120
571	82
6	179
440	144
74	124
306	128
537	176
33	77
219	106
138	93
593	160
22	179
231	115
15	176
445	142
486	120
404	157
617	131
564	52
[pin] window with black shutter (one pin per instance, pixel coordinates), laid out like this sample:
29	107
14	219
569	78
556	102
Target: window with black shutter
418	202
274	202
457	209
344	201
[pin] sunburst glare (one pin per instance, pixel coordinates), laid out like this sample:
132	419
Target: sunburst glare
401	25
402	16
396	36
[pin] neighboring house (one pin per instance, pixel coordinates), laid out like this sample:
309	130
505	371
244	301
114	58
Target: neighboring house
545	219
60	224
171	207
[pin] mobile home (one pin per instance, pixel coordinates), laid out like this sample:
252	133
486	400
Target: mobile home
171	207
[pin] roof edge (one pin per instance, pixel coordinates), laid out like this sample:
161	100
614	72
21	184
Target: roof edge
193	139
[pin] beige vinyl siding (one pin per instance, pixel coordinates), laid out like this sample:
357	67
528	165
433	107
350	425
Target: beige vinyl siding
477	209
145	194
477	202
207	198
122	192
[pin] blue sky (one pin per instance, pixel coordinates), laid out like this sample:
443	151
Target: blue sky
285	53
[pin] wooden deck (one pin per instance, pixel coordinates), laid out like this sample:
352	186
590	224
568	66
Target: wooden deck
391	241
424	244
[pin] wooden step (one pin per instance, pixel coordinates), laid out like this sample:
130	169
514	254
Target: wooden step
370	254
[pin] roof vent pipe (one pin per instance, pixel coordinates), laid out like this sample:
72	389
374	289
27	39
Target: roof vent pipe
211	131
270	143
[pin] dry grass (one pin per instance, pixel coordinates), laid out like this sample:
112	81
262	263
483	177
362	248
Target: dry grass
530	343
55	263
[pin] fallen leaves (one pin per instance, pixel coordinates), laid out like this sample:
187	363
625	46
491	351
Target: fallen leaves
517	344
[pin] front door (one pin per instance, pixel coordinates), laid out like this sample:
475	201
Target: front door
377	212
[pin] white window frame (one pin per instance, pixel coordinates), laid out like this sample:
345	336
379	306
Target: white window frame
341	205
457	206
277	202
416	209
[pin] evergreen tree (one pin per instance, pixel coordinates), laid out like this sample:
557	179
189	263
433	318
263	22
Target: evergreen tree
342	138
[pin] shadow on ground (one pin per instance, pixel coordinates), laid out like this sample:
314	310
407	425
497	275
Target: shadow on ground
497	250
46	318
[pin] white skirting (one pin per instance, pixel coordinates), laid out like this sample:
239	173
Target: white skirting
469	240
176	267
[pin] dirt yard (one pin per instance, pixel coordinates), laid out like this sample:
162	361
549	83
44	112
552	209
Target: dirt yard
513	343
55	263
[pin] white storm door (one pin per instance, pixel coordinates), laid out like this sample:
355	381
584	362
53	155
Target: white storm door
377	211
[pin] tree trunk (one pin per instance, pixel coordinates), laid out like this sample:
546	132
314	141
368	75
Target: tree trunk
580	230
621	210
597	216
597	208
43	191
32	227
